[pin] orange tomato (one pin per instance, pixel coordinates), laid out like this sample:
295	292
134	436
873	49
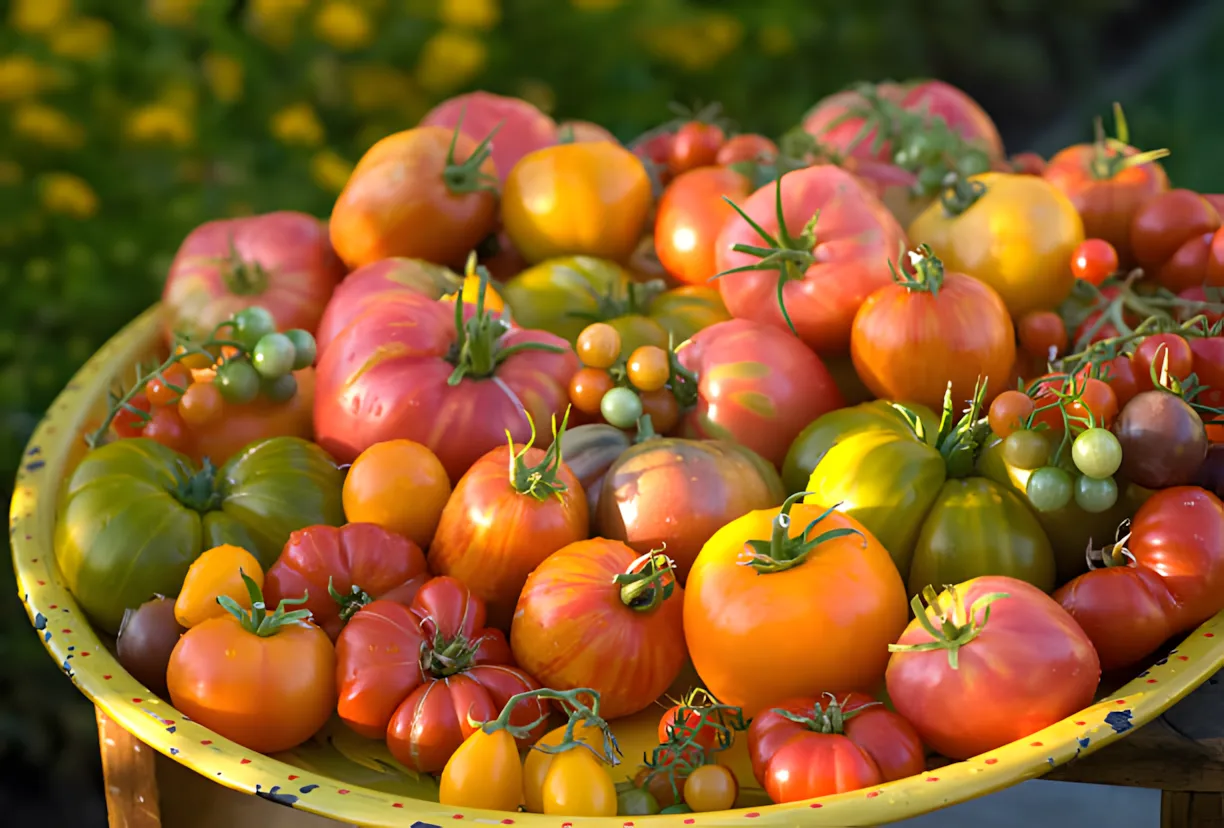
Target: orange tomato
587	388
832	611
168	428
399	485
220	438
166	387
691	214
217	572
200	404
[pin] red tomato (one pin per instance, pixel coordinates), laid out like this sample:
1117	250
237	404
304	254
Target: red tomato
1042	334
1125	610
756	385
521	127
387	375
1095	397
747	147
689	218
654	148
424	676
1156	352
703	732
129	424
1171	236
1119	373
695	144
1094	261
360	562
1208	367
280	261
1029	666
1178	533
166	426
1199	293
854	238
1028	163
588	618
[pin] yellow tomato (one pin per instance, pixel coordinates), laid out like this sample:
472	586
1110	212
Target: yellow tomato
587	199
1017	236
483	773
578	784
537	763
215	573
470	292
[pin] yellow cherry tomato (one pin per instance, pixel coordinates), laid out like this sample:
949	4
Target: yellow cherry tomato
483	773
471	291
649	368
599	345
215	573
577	199
578	784
1017	236
711	788
537	763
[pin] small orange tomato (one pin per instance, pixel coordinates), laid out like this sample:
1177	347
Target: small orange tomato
711	788
217	572
168	428
1042	334
166	387
587	388
588	199
599	345
649	368
663	409
200	404
399	485
1009	412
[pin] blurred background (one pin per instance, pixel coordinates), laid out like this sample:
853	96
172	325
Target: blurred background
125	123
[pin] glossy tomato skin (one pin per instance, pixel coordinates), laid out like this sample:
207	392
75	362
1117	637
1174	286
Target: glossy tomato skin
694	145
678	493
380	563
577	199
1208	367
281	261
756	385
581	131
690	216
222	437
521	127
908	345
1125	610
1172	238
398	203
385	376
491	536
831	618
572	628
1029	667
855	238
589	451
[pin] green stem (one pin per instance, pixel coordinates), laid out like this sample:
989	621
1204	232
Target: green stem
350	603
1112	156
243	278
957	627
960	193
258	621
467	176
782	551
579	713
541	481
830	719
197	489
644	590
928	272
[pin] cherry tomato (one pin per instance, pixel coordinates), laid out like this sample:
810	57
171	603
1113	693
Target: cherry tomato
1208	368
577	784
1150	359
274	356
663	409
1198	293
250	325
129	424
305	348
168	428
1097	453
649	368
711	788
1096	494
1010	412
399	485
484	772
1094	261
696	144
200	404
1026	449
237	381
747	147
621	407
218	571
703	734
587	389
165	388
1049	489
598	345
1119	374
1042	334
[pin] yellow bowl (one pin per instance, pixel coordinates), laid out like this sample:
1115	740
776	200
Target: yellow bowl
355	780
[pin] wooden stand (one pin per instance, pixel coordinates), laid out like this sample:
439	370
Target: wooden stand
1181	754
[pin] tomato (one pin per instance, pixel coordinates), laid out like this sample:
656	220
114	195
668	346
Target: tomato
1028	163
814	579
648	368
837	265
397	372
1095	397
521	127
127	423
756	385
711	788
224	437
146	640
200	405
1042	334
498	527
685	310
599	345
597	585
281	261
1010	412
537	762
654	148
580	131
1208	368
267	685
587	199
470	293
587	389
483	772
1158	353
663	410
578	785
398	485
1203	304
218	571
165	388
691	214
621	407
1094	261
683	716
1017	236
678	493
339	570
589	450
1171	236
1097	453
1119	375
426	675
748	147
695	144
911	339
135	514
166	426
1029	666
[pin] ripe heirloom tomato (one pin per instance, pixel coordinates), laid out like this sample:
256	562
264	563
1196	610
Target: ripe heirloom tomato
427	675
280	261
748	147
223	437
1042	334
1208	368
1029	666
815	576
339	570
588	199
844	256
218	571
1155	353
595	615
694	145
521	127
399	485
589	451
691	214
1171	237
428	193
497	528
583	131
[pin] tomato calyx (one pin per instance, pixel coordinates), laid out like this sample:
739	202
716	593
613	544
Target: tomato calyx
928	272
957	626
830	719
196	489
242	277
1115	554
634	300
1112	156
959	194
959	441
258	621
349	603
781	551
468	177
650	581
574	703
539	481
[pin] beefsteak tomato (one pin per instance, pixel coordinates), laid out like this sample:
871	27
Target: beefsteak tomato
1173	238
691	214
521	127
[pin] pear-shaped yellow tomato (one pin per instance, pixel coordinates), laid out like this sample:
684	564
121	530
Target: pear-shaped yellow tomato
484	772
588	199
578	784
537	762
1014	232
215	573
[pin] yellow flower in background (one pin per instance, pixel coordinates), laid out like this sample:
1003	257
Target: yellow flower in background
85	38
38	16
343	25
372	87
160	123
297	124
23	77
449	59
67	194
698	44
537	93
329	170
175	13
274	21
470	14
44	125
776	39
10	174
180	94
224	75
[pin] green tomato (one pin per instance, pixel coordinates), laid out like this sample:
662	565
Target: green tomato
1026	449
305	349
280	389
636	802
238	381
273	356
621	407
250	325
1095	494
1097	453
1049	489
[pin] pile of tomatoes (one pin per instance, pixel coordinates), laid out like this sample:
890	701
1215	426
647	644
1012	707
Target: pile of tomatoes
538	429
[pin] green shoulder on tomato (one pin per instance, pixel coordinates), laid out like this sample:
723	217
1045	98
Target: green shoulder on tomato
135	515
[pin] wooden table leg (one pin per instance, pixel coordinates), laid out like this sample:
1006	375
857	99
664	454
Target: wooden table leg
1189	809
130	776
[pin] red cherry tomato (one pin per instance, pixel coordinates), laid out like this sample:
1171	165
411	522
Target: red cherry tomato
167	427
1042	334
128	424
1094	261
1119	373
1198	293
1149	358
1208	366
747	147
165	388
1172	236
696	145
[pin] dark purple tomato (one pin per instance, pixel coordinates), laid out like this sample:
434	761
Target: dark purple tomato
1164	442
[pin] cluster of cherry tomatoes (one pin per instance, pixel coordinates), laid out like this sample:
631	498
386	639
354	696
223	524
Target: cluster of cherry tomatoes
623	388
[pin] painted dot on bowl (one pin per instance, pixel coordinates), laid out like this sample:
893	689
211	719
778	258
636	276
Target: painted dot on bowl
1120	701
752	815
1183	658
686	822
460	816
244	762
932	779
628	825
1151	681
106	678
137	701
292	776
816	805
206	741
1080	724
397	804
873	794
1205	635
507	822
991	761
1036	744
85	654
53	606
342	791
66	631
44	583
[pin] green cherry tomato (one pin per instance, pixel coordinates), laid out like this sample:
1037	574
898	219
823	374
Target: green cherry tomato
621	407
1097	453
238	381
1049	489
280	389
250	325
636	802
304	348
1026	449
1095	494
273	356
